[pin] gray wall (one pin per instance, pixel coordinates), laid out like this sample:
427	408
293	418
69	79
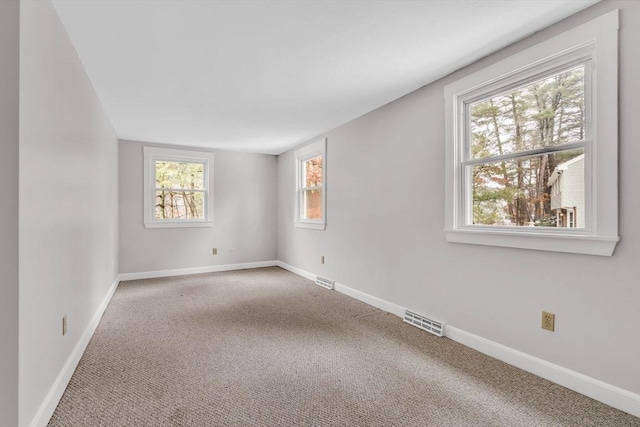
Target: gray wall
244	216
9	105
385	215
68	227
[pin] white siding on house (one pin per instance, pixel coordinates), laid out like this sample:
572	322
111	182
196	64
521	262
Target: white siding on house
573	189
556	194
568	189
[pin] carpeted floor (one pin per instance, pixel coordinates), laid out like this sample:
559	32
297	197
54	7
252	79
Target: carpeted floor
265	347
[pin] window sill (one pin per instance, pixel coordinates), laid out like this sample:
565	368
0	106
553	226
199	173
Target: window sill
577	244
178	224
310	225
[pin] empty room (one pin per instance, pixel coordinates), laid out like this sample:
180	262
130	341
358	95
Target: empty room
319	213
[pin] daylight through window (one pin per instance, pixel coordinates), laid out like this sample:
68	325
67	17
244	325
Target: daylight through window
311	191
178	187
310	186
532	148
179	190
526	153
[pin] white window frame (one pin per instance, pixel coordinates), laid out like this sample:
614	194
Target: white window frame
315	149
153	154
595	42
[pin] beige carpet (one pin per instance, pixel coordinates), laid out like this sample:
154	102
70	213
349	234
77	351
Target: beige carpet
265	347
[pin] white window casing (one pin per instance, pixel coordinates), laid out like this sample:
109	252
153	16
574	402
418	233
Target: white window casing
153	154
593	44
310	151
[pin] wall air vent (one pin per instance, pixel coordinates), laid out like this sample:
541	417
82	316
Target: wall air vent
432	326
325	283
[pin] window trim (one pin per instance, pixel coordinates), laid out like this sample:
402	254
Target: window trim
596	40
153	154
315	149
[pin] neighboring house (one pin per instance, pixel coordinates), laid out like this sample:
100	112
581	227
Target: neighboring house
567	193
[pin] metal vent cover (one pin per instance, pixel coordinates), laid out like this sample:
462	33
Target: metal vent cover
324	282
430	325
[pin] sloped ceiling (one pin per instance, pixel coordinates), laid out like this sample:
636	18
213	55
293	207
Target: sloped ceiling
263	76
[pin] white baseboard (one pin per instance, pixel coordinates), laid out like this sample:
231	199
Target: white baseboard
344	289
195	270
48	406
599	390
371	300
608	394
297	271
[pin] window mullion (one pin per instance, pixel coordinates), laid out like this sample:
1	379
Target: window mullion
562	198
180	189
528	153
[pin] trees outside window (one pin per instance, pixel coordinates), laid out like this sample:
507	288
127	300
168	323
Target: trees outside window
311	199
310	203
178	188
524	128
531	146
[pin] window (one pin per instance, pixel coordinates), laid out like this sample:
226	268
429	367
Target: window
178	188
310	203
532	146
519	140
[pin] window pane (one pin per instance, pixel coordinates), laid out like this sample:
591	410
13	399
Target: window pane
179	175
546	190
546	113
179	205
313	172
311	202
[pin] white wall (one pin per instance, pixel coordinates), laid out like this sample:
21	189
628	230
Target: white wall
9	104
244	216
68	227
385	186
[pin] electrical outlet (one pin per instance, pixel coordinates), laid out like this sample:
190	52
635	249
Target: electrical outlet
548	321
322	259
214	251
64	325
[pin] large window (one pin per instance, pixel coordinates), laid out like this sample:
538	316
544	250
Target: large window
311	186
518	141
532	146
178	187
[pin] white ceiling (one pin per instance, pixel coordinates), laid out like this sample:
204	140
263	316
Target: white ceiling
263	76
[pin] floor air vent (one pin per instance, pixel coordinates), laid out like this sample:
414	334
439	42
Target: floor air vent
432	326
325	283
